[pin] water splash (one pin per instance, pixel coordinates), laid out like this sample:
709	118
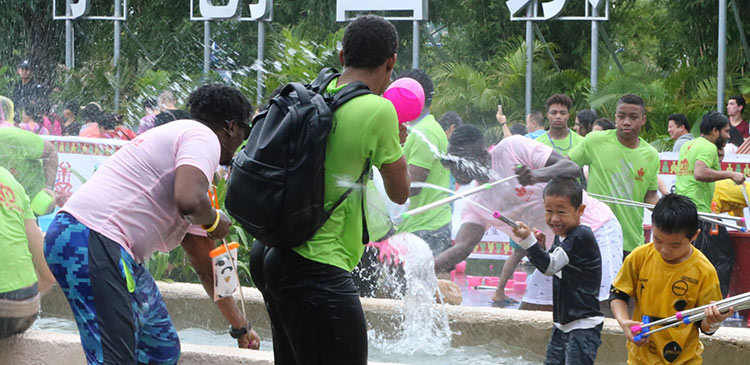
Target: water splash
462	163
423	326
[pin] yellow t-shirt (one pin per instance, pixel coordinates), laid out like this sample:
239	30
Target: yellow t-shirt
728	198
660	290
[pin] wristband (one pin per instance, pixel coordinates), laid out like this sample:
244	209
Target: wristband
239	332
212	227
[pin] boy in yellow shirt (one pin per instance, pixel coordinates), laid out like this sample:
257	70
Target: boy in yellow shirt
728	198
666	276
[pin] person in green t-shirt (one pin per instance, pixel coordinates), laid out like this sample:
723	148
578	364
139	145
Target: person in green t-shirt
622	165
23	270
426	142
312	302
559	136
31	160
698	169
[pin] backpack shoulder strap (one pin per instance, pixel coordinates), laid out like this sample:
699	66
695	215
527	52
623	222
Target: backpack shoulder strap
360	182
324	78
349	92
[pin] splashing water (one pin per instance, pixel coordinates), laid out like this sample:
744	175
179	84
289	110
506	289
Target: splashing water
461	163
423	325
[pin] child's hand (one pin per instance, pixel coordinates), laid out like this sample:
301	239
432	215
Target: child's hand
540	237
713	316
625	325
522	231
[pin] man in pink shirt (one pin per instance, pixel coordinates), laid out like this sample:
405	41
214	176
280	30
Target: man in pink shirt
143	199
521	200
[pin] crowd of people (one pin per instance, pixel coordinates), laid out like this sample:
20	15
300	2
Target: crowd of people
29	108
591	257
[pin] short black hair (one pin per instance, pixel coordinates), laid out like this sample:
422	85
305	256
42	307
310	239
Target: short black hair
217	104
566	187
633	99
467	141
680	120
425	80
34	111
107	121
25	64
740	100
676	213
368	42
713	120
518	129
561	99
90	112
73	106
605	123
150	103
450	118
586	118
170	115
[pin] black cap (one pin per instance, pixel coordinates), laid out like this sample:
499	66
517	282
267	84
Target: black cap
24	64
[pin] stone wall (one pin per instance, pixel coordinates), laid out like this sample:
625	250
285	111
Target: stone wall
190	307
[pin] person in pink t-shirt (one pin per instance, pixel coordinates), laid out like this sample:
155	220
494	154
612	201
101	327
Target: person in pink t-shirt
141	200
521	200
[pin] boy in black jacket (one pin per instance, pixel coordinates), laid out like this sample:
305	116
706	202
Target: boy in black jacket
575	262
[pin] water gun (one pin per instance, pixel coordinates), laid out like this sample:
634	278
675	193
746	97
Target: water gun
739	302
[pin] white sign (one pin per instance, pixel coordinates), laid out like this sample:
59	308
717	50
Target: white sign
262	10
77	159
552	9
417	7
80	9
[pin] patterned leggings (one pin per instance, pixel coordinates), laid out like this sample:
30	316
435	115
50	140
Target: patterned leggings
119	311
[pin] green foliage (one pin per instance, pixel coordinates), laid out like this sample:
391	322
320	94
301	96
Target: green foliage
476	55
157	265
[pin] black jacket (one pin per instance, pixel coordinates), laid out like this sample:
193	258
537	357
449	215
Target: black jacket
576	285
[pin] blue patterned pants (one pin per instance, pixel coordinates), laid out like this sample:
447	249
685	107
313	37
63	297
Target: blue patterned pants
119	311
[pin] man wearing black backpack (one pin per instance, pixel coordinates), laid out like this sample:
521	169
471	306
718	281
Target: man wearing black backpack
312	302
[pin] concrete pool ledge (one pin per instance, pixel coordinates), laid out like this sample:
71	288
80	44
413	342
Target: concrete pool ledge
50	348
524	331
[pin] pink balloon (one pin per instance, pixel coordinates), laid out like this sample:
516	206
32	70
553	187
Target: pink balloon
407	97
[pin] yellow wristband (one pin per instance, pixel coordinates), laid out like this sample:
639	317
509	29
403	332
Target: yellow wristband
212	227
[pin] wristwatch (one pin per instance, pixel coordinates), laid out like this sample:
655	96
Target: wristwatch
239	332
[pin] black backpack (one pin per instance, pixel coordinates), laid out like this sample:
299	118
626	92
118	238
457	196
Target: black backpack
277	185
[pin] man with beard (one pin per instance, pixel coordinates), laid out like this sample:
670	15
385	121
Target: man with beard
698	170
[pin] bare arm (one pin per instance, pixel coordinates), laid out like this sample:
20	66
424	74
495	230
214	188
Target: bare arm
36	247
191	197
651	197
503	121
197	249
396	180
49	161
417	174
619	309
556	165
662	187
705	174
468	236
